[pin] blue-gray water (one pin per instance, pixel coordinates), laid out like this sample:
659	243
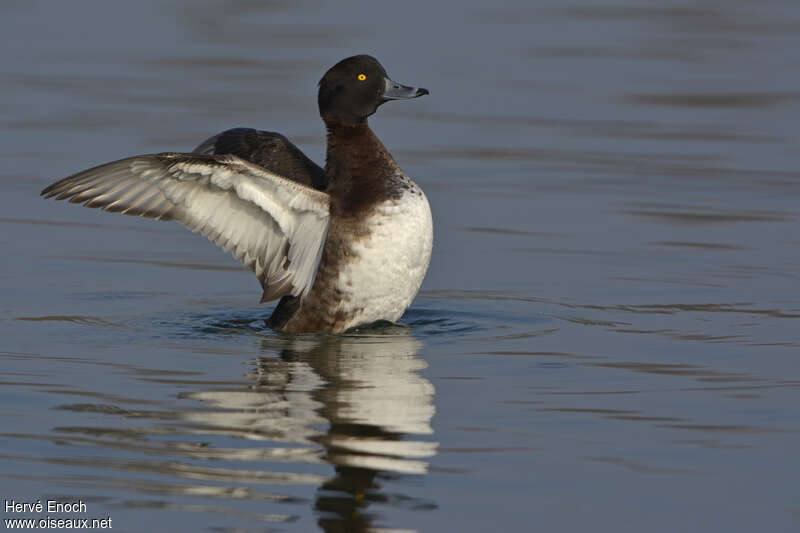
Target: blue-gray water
607	338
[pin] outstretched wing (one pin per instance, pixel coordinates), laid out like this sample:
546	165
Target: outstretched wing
275	226
269	150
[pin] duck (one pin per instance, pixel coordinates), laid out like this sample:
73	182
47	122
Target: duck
340	247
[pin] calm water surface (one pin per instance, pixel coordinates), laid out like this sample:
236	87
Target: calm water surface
608	337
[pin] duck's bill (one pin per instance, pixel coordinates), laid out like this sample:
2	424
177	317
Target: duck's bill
397	91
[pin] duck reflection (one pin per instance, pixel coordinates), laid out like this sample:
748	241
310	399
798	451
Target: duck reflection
376	404
360	397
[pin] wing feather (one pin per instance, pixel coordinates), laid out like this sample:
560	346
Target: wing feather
275	226
268	150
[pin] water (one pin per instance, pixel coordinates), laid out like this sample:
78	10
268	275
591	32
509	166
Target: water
608	335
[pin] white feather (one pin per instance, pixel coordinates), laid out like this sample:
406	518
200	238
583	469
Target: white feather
275	226
386	269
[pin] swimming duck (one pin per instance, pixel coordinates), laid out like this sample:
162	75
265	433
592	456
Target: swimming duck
341	247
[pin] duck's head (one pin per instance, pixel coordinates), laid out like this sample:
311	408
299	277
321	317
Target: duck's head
353	89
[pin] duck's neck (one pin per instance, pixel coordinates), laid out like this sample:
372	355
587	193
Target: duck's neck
356	165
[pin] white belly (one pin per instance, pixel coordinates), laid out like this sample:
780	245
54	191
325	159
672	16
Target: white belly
388	266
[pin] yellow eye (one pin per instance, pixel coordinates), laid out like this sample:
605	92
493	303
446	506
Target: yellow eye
362	77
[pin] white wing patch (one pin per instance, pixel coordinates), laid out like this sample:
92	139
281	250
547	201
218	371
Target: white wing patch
275	226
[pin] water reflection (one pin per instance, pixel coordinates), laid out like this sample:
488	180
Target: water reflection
365	390
256	449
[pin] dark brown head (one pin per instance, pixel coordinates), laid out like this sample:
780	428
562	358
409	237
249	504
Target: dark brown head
353	89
